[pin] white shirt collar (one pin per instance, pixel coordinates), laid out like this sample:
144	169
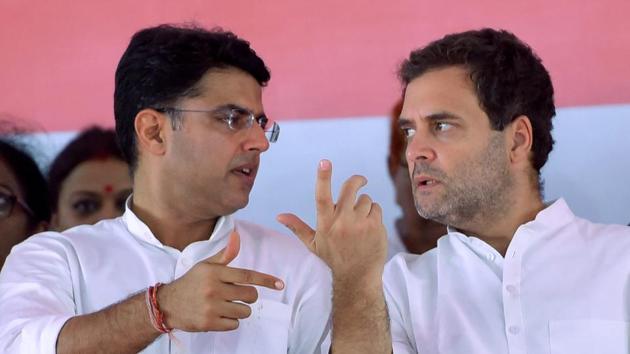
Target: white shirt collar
554	215
141	231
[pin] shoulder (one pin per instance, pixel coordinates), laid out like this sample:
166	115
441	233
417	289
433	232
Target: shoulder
595	230
595	233
67	244
612	239
406	270
107	229
408	263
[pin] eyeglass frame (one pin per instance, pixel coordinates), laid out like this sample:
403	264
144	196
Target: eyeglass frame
274	131
14	199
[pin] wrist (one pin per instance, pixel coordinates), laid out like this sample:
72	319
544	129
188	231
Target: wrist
154	308
359	278
357	285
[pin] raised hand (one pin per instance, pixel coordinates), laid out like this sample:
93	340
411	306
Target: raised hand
212	296
349	236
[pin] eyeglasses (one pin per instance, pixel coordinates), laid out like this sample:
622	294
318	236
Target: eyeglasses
8	201
237	118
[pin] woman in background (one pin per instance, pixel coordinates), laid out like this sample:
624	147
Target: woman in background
89	180
24	207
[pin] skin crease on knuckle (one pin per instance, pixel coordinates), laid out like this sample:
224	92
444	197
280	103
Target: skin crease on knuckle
322	200
247	276
211	290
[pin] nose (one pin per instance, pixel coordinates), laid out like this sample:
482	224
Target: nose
419	148
256	139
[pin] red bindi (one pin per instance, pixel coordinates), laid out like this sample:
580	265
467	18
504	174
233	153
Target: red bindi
108	188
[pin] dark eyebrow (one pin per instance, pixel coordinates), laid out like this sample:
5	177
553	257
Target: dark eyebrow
442	116
235	106
402	121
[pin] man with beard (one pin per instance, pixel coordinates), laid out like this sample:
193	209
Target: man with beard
173	274
513	274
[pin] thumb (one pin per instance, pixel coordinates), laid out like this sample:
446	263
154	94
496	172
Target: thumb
299	228
229	252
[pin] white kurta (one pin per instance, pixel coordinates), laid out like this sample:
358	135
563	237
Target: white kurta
54	276
562	287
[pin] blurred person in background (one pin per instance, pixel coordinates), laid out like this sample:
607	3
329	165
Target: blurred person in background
24	208
89	180
416	233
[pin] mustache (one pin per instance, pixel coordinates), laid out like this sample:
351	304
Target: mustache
423	168
247	158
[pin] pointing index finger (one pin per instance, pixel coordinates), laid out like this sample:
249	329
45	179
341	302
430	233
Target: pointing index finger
251	277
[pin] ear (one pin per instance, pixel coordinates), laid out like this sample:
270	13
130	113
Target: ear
521	139
150	126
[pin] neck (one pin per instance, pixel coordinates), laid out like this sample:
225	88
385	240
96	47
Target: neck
418	234
167	216
498	230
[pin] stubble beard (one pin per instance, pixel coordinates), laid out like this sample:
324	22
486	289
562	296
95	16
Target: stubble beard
477	191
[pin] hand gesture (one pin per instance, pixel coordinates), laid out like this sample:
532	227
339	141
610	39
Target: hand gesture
350	236
212	296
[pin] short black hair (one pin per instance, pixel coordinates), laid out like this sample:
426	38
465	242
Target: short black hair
30	180
92	143
164	64
509	79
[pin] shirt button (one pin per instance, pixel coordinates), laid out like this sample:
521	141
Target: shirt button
512	290
514	330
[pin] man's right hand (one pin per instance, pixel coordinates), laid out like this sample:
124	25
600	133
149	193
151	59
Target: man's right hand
349	236
351	239
212	296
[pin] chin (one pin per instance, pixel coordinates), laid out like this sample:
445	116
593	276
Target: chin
429	213
236	205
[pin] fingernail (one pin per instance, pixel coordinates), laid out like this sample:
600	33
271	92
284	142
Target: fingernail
324	164
279	285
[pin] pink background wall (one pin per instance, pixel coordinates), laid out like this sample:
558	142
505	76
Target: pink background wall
328	58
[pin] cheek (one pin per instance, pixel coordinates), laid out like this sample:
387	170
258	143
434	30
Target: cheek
13	229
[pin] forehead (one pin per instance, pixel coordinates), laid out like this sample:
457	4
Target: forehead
441	90
93	175
230	86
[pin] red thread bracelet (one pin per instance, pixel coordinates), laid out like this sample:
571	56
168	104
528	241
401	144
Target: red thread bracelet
156	315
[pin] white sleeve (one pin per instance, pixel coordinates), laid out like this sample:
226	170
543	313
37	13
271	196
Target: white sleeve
397	307
36	295
311	329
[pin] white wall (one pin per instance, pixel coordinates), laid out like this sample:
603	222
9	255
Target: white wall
590	164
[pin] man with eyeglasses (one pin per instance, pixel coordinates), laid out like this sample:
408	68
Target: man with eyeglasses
175	273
